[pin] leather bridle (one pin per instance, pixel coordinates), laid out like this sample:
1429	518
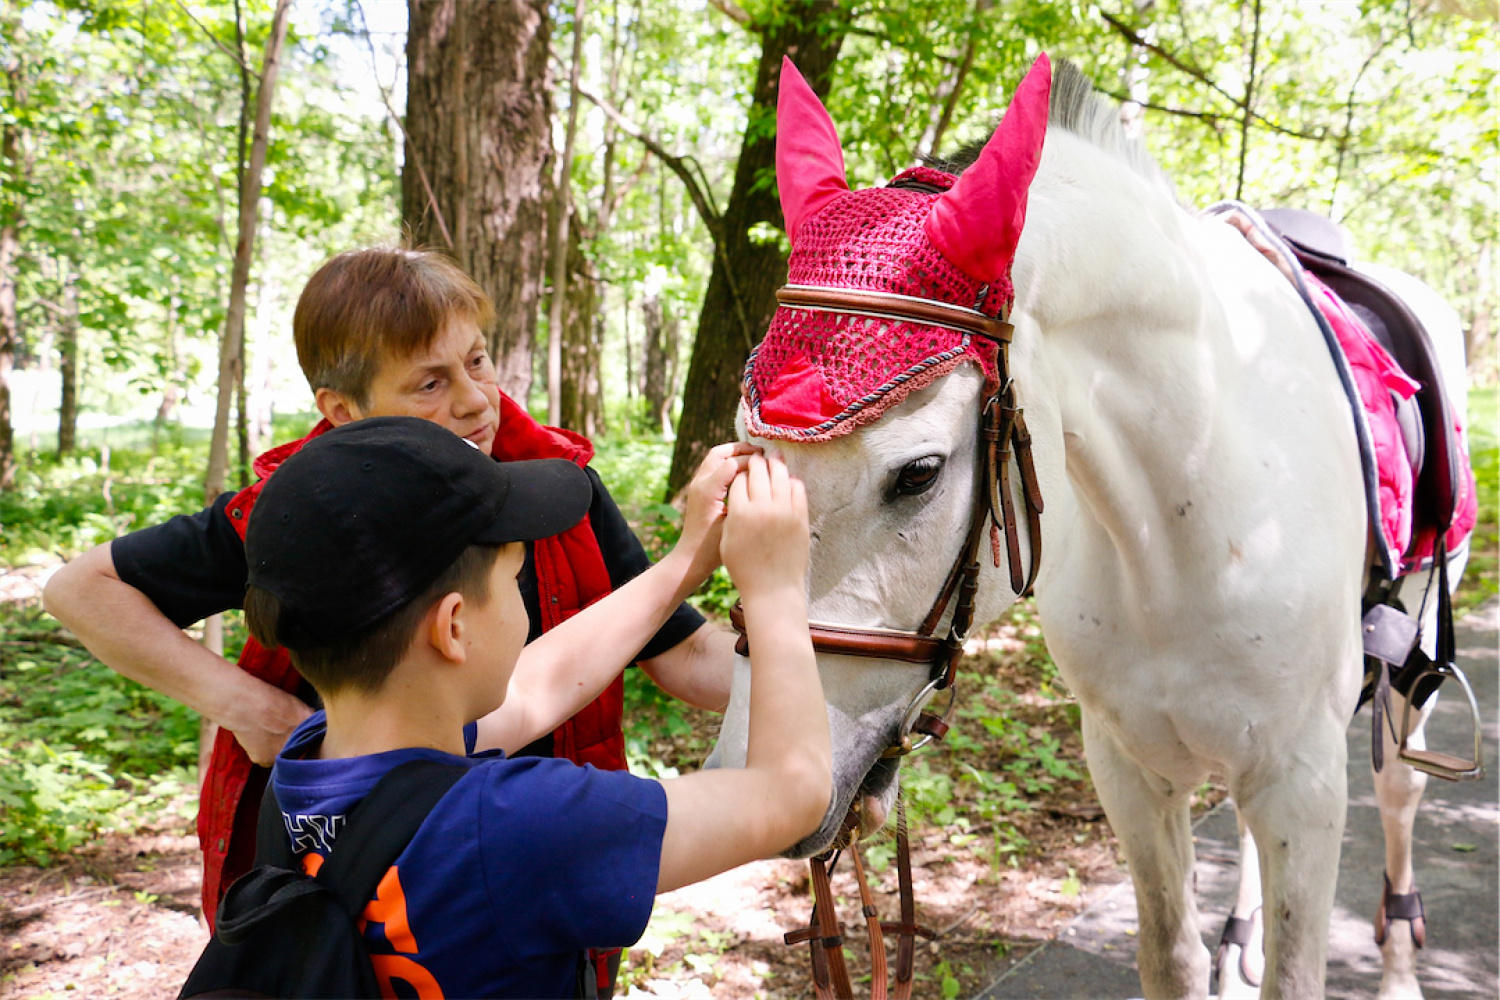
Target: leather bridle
1002	436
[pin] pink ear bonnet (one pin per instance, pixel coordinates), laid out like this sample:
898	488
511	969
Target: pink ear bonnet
820	373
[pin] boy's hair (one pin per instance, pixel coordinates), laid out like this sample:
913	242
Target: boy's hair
363	661
365	305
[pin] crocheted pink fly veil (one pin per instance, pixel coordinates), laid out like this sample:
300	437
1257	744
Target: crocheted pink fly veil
819	374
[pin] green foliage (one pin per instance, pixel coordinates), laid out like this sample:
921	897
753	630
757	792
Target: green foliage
1480	577
61	507
82	749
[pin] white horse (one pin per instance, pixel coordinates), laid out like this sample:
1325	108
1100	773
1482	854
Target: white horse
1205	537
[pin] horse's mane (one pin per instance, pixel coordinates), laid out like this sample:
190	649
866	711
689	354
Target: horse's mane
1077	108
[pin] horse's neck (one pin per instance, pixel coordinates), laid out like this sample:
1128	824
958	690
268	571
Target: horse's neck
1163	366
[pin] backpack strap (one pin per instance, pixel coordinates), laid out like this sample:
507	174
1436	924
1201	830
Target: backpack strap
375	834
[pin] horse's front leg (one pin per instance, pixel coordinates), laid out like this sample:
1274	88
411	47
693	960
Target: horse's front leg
1398	792
1294	804
1152	820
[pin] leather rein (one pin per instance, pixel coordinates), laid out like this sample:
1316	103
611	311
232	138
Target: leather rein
1003	436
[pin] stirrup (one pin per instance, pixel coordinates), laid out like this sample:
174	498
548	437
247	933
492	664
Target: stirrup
1434	762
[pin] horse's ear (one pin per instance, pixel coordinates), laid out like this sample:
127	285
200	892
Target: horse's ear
977	223
809	160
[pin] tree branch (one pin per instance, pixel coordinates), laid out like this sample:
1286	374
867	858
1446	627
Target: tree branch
1239	183
51	307
213	38
698	190
1207	116
1135	38
733	11
679	165
1349	105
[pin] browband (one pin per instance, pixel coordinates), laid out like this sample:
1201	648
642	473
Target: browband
903	308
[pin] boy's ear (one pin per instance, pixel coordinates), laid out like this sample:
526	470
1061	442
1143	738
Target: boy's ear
446	633
336	408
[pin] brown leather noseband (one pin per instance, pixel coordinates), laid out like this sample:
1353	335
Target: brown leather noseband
1002	435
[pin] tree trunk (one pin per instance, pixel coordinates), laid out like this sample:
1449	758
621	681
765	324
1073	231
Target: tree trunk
662	335
241	424
558	241
580	406
231	348
67	351
10	328
478	123
741	293
169	393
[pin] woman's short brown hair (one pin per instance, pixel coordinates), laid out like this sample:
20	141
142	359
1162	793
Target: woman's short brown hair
367	305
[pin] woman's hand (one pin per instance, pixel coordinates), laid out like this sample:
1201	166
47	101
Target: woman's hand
703	520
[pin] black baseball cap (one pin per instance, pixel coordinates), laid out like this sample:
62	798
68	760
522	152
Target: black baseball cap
367	516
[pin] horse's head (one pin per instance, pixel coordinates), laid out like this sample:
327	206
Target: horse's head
869	384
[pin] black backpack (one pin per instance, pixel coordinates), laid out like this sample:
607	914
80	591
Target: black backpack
281	933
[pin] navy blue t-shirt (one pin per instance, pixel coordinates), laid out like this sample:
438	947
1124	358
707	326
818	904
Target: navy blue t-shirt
523	865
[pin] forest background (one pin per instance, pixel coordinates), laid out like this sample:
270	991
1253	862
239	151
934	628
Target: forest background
172	171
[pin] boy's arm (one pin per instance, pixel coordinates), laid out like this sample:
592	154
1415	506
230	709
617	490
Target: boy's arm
719	819
126	631
566	668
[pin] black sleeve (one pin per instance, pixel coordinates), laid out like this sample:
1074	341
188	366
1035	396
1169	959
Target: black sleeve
190	567
626	560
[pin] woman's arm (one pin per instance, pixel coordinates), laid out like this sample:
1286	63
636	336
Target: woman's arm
123	628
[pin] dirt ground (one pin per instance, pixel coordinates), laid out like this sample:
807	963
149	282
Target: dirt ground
119	918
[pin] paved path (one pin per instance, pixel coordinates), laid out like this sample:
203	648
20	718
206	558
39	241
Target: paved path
1457	863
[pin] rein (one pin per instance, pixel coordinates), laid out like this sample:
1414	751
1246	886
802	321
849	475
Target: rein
1003	436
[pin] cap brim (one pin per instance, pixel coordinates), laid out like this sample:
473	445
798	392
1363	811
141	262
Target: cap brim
546	497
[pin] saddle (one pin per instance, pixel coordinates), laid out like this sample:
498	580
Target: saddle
1297	241
1426	420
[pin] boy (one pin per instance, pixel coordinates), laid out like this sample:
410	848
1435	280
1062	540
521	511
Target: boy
527	862
378	332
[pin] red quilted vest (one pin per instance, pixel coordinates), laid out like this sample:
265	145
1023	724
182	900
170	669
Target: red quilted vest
571	575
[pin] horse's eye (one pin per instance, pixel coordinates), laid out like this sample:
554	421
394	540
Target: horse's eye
917	477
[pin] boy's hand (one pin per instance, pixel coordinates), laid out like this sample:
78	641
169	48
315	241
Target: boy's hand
765	534
703	520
